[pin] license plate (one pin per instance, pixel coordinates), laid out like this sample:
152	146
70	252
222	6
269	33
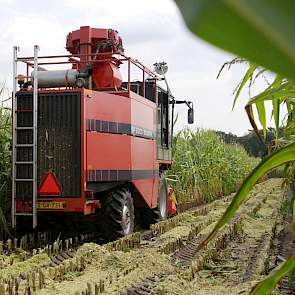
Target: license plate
51	205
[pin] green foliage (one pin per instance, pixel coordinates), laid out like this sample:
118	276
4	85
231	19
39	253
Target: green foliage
5	161
267	285
250	142
281	156
204	167
5	152
260	31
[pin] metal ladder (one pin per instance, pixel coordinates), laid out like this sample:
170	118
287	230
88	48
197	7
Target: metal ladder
16	145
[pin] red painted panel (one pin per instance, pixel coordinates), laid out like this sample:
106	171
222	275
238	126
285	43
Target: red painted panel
142	152
143	157
155	192
145	187
116	151
143	112
108	151
108	107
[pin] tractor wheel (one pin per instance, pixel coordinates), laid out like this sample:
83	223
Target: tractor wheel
150	216
117	213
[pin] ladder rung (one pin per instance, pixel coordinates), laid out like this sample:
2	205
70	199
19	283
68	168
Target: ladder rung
23	111
23	163
24	128
24	145
24	214
24	179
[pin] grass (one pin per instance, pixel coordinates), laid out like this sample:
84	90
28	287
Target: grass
204	167
5	161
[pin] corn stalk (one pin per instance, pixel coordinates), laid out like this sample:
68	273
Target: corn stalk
5	161
204	167
258	31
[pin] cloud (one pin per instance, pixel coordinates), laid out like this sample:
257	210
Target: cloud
152	31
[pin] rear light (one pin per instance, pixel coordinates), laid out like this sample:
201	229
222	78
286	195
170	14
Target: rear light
89	195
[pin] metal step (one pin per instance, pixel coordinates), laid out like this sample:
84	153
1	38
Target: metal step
16	145
24	214
24	179
24	128
23	111
24	145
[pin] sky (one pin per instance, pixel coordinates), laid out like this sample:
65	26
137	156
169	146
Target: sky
152	31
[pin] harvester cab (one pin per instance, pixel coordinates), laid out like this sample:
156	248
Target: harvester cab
87	140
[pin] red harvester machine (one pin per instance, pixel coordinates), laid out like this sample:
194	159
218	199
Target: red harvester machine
85	140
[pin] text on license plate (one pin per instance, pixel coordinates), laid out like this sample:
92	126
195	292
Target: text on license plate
51	205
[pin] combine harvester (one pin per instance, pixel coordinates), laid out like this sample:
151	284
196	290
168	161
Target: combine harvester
85	141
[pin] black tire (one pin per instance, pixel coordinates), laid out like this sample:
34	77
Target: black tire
150	216
114	223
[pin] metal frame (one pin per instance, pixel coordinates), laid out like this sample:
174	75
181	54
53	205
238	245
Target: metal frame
120	57
14	139
14	120
35	122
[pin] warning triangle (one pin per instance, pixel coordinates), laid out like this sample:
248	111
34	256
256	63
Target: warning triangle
49	185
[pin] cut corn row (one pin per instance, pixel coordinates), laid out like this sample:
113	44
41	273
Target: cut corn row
175	244
19	246
258	262
129	242
166	225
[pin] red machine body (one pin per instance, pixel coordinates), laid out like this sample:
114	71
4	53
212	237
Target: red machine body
102	135
88	42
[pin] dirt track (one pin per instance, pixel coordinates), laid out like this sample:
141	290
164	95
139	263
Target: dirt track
165	262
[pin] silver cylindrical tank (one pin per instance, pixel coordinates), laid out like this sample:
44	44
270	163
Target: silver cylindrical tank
58	78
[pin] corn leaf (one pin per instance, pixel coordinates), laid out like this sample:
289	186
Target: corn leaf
262	115
276	114
249	111
281	156
247	76
267	285
284	92
260	31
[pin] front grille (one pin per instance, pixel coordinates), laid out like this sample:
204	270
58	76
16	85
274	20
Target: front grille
59	140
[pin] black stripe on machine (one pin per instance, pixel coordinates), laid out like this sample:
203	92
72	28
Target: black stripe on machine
118	128
119	175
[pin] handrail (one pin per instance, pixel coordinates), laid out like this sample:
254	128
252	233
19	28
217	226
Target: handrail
123	58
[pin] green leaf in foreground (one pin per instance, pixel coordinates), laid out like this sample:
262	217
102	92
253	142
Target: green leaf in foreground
262	116
276	114
247	76
281	156
260	31
267	285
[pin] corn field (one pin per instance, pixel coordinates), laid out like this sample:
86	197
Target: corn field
204	167
5	160
5	152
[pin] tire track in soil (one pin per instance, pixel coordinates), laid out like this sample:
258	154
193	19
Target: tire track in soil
186	254
285	250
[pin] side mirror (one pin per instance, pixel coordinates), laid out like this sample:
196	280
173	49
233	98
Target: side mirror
190	116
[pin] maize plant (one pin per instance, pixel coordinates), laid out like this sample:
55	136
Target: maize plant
5	159
204	167
258	31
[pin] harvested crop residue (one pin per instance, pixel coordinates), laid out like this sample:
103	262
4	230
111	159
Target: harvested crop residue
24	266
241	262
111	267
